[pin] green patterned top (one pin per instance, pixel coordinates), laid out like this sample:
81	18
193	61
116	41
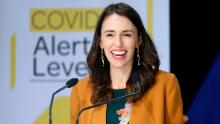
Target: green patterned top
112	108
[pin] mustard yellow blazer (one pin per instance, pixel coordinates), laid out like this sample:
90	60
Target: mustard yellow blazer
161	104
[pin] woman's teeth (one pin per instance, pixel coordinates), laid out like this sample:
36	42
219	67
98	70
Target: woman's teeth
119	53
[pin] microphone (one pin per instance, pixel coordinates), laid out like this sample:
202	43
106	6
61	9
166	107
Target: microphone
134	77
69	84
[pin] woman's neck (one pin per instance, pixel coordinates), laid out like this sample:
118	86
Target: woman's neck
119	77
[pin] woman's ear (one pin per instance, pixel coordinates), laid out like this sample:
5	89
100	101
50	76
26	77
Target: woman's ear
139	41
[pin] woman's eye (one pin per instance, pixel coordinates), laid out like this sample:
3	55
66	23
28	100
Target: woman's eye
109	35
127	35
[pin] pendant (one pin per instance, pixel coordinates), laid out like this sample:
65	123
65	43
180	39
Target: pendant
124	114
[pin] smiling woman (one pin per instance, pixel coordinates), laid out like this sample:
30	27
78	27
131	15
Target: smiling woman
119	39
121	47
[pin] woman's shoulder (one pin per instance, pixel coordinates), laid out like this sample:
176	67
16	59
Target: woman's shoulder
84	83
165	83
163	75
85	79
166	78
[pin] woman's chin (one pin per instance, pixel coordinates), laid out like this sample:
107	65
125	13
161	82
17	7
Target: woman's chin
118	65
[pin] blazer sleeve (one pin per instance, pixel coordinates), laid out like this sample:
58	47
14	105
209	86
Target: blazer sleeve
74	105
173	102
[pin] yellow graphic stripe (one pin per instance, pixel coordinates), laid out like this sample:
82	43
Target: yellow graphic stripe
13	62
60	112
64	19
150	17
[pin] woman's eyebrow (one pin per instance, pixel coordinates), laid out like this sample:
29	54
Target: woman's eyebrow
107	31
125	31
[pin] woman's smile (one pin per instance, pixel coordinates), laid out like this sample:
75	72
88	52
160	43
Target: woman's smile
118	53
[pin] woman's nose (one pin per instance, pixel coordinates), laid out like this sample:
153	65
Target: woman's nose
118	41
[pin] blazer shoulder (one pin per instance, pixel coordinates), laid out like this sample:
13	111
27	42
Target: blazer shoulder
166	79
165	76
85	81
84	85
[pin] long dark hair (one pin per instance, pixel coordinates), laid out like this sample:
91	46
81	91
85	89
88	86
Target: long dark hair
149	60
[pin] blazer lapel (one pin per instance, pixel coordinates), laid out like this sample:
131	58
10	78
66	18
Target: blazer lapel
140	114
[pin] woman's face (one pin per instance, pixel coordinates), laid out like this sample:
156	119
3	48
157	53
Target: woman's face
119	39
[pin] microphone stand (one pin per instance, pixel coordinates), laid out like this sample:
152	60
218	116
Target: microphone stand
51	102
70	83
